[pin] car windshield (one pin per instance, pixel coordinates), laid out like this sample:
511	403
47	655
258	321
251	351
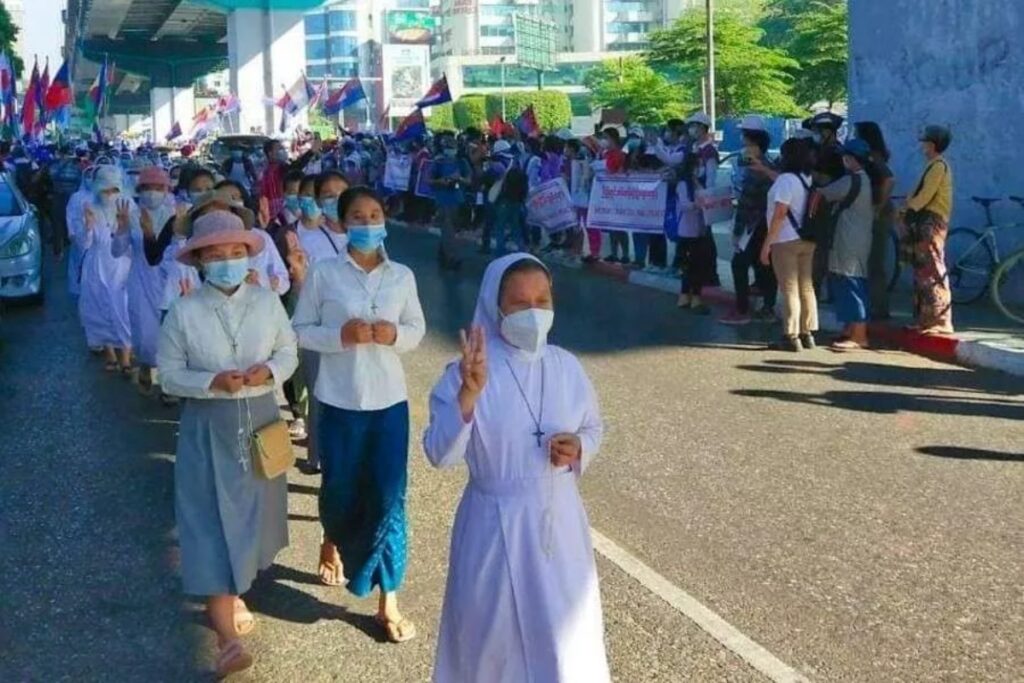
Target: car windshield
9	205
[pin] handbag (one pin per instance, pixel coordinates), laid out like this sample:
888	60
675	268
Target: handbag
271	450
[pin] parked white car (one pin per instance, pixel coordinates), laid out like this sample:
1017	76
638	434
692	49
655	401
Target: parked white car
21	246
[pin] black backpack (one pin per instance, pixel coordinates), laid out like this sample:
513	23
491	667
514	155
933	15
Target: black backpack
820	215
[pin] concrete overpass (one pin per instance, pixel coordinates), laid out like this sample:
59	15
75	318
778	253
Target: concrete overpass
171	43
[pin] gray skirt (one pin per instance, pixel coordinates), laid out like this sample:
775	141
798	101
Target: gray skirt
231	523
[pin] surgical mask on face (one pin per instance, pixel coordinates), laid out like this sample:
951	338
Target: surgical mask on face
108	200
309	207
817	137
367	238
228	273
152	199
330	208
694	131
291	202
603	143
528	330
194	195
281	155
449	153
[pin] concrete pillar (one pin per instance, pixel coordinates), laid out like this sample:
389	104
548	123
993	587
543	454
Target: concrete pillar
161	103
266	53
184	109
588	26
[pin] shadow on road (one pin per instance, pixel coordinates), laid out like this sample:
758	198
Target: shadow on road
958	453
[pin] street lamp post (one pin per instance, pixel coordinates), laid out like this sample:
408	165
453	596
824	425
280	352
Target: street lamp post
502	61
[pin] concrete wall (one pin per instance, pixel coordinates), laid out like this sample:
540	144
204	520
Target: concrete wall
959	63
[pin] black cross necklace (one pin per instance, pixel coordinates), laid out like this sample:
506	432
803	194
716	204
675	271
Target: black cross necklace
538	433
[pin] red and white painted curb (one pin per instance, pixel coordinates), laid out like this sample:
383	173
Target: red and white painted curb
952	349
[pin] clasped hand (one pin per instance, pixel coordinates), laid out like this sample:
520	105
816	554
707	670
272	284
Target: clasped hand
358	331
232	381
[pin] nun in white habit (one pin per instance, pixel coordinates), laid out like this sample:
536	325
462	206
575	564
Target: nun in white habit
522	602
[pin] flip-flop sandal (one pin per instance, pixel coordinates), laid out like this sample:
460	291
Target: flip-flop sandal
329	569
245	621
232	659
111	366
397	631
846	345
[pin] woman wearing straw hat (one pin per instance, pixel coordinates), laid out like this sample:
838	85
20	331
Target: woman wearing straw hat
224	348
103	302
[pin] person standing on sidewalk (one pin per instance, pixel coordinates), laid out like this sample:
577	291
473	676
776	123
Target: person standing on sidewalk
613	160
851	246
882	182
926	224
750	227
791	257
449	177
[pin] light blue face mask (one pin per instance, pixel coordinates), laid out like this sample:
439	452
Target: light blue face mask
226	274
291	202
367	238
330	208
309	207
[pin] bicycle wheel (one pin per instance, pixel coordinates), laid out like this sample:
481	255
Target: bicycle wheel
1008	287
969	262
892	263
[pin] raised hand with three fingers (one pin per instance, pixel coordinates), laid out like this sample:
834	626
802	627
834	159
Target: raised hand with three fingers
124	214
472	369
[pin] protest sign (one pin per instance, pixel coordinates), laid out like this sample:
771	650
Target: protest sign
550	206
397	171
628	201
716	203
423	188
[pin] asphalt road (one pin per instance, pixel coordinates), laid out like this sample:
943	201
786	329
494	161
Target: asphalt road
859	516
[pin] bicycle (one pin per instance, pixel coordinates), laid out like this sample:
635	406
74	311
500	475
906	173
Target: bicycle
972	256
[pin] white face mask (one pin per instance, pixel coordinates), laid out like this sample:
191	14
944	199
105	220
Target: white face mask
151	199
528	330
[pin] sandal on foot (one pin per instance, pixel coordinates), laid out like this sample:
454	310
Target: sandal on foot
331	570
846	345
245	621
397	631
111	366
232	659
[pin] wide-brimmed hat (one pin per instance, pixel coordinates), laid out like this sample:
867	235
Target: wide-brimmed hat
154	175
221	199
215	228
701	118
827	119
753	122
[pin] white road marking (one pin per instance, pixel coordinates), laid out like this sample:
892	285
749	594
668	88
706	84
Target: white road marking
691	608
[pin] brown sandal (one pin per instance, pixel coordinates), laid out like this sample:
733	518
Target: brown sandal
331	569
232	658
245	621
397	631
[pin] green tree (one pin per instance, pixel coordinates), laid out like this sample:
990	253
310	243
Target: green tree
632	85
780	17
819	43
471	110
749	76
441	117
8	36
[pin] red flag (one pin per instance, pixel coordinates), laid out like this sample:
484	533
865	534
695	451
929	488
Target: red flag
28	107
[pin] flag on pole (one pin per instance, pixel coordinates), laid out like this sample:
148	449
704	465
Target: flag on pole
385	118
97	132
527	122
174	133
319	92
44	85
58	95
344	97
296	97
228	104
98	91
29	106
438	94
411	127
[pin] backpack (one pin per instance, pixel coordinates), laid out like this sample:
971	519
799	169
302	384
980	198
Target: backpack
820	215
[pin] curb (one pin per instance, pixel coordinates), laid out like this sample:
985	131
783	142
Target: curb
970	353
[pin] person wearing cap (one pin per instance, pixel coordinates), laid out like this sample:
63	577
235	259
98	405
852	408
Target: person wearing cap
145	282
224	348
698	252
756	173
103	303
851	246
926	224
828	167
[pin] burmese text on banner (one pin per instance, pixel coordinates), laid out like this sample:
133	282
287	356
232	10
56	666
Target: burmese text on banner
550	206
628	201
397	171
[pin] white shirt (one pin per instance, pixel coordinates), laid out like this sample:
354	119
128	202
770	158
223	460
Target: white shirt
788	190
195	341
176	275
366	376
321	243
268	264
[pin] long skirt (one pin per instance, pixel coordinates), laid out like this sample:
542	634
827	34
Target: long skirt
231	523
933	303
364	457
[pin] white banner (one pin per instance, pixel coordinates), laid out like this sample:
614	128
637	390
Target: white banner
406	71
716	204
550	206
634	202
397	171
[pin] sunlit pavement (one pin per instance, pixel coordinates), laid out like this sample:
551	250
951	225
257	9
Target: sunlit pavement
861	517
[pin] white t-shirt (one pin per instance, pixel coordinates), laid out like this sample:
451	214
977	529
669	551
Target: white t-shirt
788	190
320	244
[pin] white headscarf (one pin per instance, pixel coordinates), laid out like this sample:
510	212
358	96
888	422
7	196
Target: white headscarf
488	312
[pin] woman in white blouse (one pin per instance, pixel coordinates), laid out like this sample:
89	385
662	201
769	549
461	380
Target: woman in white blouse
360	312
223	348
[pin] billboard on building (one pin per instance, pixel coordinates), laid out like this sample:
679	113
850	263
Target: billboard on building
463	7
406	71
409	27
